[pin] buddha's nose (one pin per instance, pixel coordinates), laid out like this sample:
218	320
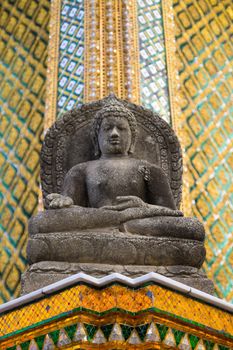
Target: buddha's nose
114	132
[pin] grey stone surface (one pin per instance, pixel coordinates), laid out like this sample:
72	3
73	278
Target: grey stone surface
41	274
145	221
116	180
115	247
68	143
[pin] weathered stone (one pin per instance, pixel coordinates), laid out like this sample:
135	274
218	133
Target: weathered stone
43	273
145	222
113	203
114	247
184	227
68	143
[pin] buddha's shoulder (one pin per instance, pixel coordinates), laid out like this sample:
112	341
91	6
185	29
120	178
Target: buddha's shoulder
78	169
81	168
148	165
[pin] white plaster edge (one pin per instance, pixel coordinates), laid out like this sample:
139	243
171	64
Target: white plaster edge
117	277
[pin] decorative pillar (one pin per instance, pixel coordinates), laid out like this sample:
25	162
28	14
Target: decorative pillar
111	50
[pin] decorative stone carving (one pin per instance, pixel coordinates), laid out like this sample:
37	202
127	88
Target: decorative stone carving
68	143
113	202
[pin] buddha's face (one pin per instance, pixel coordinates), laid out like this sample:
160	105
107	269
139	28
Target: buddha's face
114	136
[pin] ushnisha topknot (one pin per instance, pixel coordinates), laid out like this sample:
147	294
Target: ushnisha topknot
114	108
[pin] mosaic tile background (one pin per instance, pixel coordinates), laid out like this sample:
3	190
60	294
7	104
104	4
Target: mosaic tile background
71	56
205	57
154	84
23	52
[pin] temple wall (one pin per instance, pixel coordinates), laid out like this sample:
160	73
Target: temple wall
204	56
23	52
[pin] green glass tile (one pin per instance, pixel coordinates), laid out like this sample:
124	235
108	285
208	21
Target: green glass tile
152	61
221	347
142	330
208	345
40	341
178	335
107	330
70	330
25	345
55	335
91	330
162	330
126	331
71	89
193	340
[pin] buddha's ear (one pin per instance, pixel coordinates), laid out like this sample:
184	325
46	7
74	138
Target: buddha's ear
132	147
95	143
96	150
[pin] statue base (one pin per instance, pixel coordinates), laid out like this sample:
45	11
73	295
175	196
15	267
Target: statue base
111	246
44	273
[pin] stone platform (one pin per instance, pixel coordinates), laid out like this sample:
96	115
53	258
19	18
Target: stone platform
43	273
114	247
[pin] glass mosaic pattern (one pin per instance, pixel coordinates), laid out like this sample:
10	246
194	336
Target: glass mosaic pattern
147	334
23	53
146	317
71	56
154	84
205	56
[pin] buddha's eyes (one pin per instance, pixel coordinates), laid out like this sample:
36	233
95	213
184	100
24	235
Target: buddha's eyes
118	127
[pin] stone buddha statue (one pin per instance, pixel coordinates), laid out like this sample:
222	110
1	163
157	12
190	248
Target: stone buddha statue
112	203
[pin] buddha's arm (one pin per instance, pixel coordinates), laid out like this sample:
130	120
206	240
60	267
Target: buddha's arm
134	207
73	190
158	189
74	185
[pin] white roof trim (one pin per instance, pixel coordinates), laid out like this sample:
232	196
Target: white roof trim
117	277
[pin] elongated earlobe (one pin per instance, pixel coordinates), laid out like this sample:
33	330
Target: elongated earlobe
96	150
132	148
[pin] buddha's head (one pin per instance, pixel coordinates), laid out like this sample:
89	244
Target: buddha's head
114	130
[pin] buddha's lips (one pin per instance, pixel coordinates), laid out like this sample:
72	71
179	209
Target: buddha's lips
114	141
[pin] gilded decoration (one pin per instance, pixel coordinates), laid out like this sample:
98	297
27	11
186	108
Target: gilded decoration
146	317
23	52
111	49
204	52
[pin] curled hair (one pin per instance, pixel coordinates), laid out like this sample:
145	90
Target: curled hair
114	110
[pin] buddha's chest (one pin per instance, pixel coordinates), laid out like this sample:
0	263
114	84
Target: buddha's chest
107	181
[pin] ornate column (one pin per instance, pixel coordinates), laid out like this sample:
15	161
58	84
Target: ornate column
111	50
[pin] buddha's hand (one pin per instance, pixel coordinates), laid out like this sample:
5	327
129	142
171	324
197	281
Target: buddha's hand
126	202
57	201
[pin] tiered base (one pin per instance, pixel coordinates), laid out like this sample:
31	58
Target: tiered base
44	273
115	314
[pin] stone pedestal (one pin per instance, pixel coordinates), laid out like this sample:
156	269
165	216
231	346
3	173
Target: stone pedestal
114	247
101	251
43	273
